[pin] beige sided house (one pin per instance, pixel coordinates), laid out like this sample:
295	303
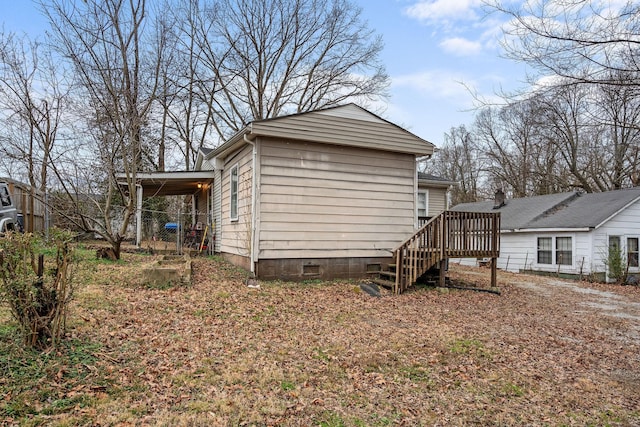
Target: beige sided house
323	194
330	193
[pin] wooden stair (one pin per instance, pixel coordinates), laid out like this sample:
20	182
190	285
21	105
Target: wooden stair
451	234
387	278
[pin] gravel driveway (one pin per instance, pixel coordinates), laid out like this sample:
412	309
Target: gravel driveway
585	298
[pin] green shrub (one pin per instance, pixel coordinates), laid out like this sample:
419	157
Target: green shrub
616	264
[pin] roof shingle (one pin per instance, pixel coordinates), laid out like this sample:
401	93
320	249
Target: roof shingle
557	211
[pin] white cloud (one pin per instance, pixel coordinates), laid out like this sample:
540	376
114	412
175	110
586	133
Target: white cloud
460	46
464	28
431	10
442	84
546	82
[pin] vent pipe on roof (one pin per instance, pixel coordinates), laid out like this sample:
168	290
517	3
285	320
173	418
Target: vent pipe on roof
499	199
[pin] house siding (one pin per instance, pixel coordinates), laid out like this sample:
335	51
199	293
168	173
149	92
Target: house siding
327	201
217	210
236	239
625	224
206	165
326	127
201	199
437	200
518	252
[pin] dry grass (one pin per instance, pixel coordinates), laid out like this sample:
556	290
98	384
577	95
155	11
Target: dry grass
219	353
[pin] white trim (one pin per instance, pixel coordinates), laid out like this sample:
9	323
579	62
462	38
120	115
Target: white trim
537	250
211	214
573	251
415	199
426	202
605	256
237	169
554	251
218	163
547	230
633	269
159	176
254	240
618	211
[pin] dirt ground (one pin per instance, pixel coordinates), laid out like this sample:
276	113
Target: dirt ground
544	352
577	298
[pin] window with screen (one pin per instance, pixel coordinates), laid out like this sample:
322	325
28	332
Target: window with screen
632	252
234	192
544	250
564	251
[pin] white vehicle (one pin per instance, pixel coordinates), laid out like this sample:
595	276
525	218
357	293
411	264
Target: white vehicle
8	211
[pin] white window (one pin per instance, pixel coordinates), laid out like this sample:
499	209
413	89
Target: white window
555	251
234	193
614	243
423	203
632	251
544	250
564	253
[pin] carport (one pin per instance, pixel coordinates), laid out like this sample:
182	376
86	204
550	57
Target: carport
151	184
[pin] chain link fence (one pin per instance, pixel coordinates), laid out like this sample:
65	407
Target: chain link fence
177	232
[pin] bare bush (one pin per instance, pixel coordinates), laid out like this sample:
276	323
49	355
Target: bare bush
38	299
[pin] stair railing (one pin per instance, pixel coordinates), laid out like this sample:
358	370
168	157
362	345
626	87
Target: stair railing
450	234
418	253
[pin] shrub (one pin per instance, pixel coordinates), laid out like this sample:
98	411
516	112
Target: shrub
38	299
616	264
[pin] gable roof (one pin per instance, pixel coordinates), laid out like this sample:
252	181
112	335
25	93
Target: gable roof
573	210
347	125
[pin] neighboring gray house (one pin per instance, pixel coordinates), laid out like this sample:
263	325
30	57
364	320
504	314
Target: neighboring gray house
566	233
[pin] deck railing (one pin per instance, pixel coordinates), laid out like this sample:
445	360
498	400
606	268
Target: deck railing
449	235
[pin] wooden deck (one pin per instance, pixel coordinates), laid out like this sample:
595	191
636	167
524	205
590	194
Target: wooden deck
449	235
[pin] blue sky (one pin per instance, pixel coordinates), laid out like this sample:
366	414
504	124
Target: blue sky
433	48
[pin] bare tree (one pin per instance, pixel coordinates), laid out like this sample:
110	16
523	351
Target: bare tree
149	83
617	112
117	69
507	136
32	101
188	84
460	160
581	41
566	123
562	138
275	57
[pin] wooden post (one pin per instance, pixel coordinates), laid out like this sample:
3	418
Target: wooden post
139	216
494	271
32	209
399	272
40	271
443	265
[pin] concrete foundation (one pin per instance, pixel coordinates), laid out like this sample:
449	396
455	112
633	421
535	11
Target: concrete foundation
319	268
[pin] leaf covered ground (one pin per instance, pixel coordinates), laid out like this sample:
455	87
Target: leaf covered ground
544	352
